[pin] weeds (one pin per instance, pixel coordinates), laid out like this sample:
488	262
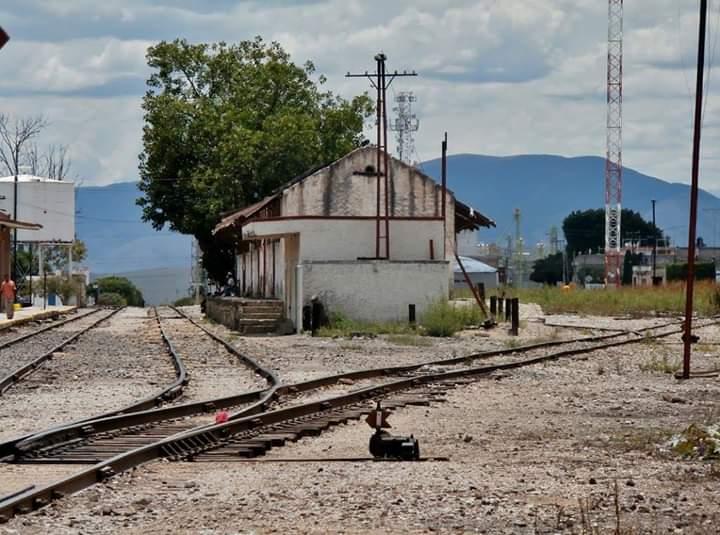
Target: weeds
445	319
662	365
342	326
668	299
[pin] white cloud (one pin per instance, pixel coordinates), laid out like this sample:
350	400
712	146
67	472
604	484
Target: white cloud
526	76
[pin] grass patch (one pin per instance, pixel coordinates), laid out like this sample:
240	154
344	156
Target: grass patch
439	319
626	300
660	365
342	326
409	340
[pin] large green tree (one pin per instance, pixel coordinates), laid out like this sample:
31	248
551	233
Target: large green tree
227	124
585	230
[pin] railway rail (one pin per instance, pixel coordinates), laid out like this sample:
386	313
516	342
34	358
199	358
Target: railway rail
29	367
254	429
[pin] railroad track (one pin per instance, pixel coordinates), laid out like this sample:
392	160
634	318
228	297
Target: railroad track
142	422
12	377
254	429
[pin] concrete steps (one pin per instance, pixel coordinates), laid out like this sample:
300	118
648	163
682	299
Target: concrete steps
249	316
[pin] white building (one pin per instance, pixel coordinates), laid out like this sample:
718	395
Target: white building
317	236
46	201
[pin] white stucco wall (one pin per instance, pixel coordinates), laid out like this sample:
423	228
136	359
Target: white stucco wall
341	239
376	290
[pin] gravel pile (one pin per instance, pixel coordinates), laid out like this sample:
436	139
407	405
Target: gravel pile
18	355
213	371
120	361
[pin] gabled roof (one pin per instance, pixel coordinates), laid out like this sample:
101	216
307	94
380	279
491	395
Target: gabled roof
466	217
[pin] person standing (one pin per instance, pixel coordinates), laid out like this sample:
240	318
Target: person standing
7	293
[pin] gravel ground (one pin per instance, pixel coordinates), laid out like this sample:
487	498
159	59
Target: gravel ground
120	361
16	356
213	371
301	357
531	451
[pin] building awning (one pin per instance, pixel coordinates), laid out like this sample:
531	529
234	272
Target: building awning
467	218
20	225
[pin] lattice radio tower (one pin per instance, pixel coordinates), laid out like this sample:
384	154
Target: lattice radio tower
405	123
613	161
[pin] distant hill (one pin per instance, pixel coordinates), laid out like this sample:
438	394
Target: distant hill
547	188
108	221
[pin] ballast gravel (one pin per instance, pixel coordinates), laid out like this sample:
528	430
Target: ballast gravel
120	361
212	370
573	446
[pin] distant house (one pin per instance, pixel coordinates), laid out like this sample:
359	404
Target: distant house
319	235
478	272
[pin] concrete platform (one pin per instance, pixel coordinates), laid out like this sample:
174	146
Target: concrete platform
28	314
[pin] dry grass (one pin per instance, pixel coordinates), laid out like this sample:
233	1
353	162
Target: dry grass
627	300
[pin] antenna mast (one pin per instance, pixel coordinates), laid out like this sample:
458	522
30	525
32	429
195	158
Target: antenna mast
406	122
613	162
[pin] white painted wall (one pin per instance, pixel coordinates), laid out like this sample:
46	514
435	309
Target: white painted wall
376	290
50	203
339	239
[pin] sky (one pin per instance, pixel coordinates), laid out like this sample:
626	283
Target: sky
502	77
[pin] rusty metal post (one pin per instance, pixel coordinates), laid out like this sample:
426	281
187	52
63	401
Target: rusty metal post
443	207
481	291
515	316
493	306
687	336
500	303
508	308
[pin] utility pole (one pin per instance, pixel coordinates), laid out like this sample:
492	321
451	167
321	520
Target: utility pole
654	253
379	80
405	124
613	161
687	335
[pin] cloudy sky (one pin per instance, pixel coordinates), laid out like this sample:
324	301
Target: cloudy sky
501	76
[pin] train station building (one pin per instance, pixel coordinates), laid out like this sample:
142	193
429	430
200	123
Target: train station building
320	236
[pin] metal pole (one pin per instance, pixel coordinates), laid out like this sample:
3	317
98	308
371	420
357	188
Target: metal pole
15	196
379	156
386	169
443	208
687	336
654	253
31	273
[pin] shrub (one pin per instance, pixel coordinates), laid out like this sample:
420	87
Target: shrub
122	286
184	302
111	299
445	319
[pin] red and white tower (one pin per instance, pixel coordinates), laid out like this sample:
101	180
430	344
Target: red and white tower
613	162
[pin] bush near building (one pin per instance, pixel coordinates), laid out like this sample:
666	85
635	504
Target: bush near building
111	299
122	286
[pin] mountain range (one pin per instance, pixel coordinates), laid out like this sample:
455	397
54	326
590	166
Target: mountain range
545	188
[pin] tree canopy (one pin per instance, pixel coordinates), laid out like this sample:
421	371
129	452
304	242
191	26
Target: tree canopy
548	270
585	230
226	124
